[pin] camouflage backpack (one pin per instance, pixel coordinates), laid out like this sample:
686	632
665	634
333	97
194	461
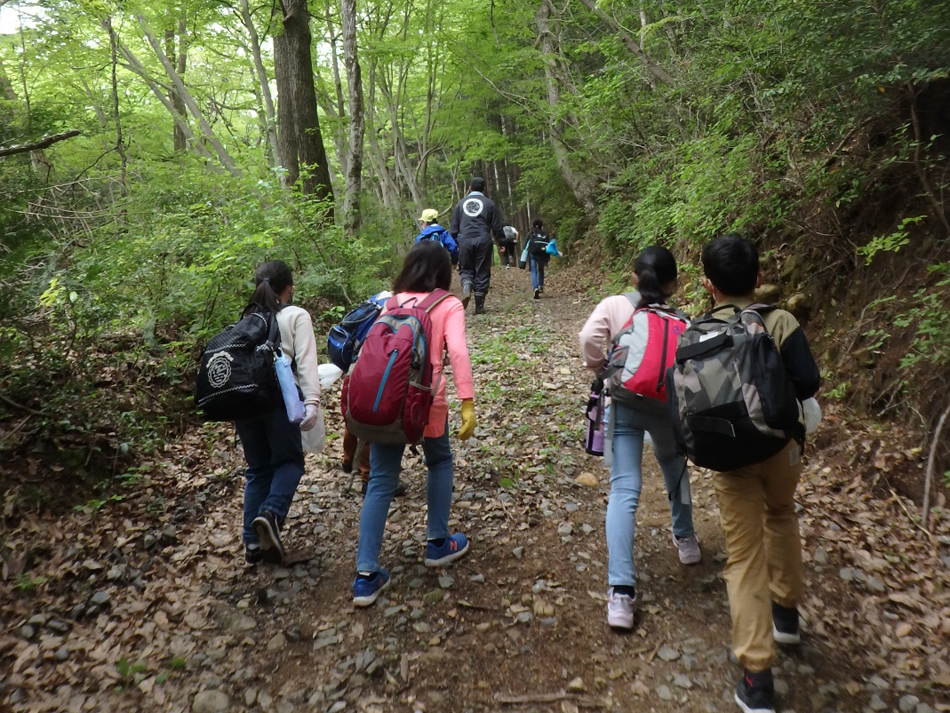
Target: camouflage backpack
731	401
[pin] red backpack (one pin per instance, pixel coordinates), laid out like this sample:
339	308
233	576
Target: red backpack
641	353
388	393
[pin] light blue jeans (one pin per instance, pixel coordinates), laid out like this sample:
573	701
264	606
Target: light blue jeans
384	465
625	483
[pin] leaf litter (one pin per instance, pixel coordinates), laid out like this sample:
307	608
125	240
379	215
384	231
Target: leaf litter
145	603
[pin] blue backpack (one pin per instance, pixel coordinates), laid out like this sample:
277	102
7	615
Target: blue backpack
346	338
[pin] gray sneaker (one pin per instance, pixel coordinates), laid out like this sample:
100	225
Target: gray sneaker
688	548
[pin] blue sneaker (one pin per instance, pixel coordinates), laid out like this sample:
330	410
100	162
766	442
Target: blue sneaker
450	550
366	590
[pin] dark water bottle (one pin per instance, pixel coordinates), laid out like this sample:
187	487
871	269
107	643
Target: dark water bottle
595	419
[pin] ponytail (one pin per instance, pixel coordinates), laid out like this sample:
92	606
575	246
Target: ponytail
271	278
655	267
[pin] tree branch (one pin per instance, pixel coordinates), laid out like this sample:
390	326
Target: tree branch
631	44
43	143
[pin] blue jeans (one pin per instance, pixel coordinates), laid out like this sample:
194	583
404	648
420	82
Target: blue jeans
537	272
384	465
275	466
625	484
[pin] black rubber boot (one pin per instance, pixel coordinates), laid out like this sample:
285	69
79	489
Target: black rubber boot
466	294
479	304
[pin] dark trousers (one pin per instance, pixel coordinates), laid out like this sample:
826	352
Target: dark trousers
507	256
475	264
275	465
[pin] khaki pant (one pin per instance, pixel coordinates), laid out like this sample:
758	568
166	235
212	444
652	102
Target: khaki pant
757	507
349	453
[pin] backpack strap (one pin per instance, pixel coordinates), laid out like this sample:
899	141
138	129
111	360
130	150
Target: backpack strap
274	341
427	304
631	296
434	298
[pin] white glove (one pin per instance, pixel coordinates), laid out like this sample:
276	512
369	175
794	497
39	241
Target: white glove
310	416
811	415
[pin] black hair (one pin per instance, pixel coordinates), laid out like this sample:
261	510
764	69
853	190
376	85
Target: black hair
478	184
427	267
271	278
538	224
731	263
656	269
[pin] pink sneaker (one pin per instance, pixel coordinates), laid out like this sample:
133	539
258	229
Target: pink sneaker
688	548
620	610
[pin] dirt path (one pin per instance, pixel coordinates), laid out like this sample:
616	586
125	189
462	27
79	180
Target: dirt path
147	605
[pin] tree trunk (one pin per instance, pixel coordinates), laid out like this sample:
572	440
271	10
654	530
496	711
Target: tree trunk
303	102
223	156
270	116
286	129
136	66
119	147
579	186
335	106
354	82
177	57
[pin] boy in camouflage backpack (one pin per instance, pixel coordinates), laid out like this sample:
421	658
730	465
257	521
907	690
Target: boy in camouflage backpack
735	371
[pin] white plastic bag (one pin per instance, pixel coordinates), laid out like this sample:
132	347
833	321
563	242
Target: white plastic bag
313	440
811	415
329	374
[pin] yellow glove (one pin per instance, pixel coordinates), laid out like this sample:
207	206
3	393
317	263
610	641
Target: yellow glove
468	420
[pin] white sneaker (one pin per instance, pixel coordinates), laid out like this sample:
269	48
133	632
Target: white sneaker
620	610
688	548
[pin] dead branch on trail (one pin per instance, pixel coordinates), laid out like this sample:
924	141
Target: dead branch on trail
928	480
43	143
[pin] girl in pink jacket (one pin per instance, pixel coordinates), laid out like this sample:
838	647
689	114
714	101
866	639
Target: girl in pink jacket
426	268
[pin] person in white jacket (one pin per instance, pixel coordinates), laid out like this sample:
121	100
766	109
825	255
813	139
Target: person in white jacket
272	444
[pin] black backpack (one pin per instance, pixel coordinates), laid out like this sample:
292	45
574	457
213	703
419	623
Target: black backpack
236	375
538	244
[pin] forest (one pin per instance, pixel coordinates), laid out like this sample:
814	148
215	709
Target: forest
151	154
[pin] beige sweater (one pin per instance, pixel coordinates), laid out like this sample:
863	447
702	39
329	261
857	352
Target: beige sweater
607	319
298	342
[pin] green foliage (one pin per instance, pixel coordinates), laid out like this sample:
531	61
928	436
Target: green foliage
929	316
889	243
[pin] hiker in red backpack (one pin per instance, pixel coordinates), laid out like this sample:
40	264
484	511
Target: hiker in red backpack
423	283
643	329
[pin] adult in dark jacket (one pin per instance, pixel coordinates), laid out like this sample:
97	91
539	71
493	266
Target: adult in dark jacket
475	220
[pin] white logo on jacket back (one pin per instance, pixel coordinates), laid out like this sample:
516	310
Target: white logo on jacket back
472	207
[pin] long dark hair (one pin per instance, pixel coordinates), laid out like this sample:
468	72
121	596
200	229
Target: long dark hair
656	269
427	267
271	278
538	224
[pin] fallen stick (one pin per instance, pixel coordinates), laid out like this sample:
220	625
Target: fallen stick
910	517
928	480
548	698
478	607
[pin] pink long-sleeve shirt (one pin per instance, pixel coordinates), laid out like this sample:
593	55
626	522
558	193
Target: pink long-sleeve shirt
448	334
607	319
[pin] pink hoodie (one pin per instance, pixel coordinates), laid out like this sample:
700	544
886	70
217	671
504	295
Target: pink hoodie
448	333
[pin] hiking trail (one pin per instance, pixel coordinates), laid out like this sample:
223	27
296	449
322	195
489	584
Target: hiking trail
146	604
